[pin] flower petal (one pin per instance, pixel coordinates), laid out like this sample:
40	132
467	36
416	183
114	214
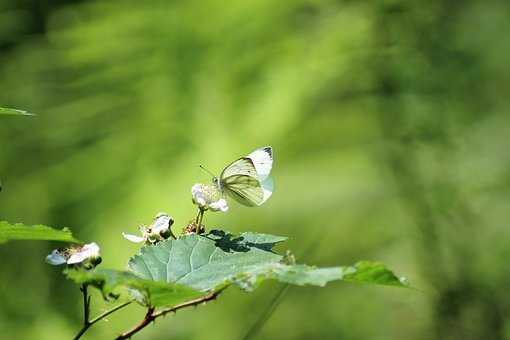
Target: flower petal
133	238
55	258
199	195
220	205
161	223
90	250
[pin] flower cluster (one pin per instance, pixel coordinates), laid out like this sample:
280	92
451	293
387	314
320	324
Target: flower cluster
159	230
208	197
86	255
205	196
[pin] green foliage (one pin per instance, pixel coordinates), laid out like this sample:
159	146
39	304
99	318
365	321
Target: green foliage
205	262
9	111
20	231
146	292
390	120
373	272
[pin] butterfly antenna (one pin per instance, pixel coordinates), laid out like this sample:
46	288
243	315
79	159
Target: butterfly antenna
209	172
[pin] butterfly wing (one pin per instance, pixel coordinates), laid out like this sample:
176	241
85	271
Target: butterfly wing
247	179
244	189
242	166
267	187
262	159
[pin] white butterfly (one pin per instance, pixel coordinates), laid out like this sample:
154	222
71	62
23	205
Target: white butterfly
247	179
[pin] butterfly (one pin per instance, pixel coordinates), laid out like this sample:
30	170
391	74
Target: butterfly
247	179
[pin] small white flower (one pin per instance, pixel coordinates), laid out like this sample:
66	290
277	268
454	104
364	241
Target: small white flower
207	196
88	253
198	194
159	230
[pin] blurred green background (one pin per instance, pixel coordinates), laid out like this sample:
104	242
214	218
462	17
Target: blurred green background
390	125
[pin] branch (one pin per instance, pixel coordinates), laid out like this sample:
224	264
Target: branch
108	312
87	324
86	311
86	304
194	302
151	314
149	317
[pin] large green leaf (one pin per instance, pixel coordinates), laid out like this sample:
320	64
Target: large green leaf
147	292
9	111
206	261
20	231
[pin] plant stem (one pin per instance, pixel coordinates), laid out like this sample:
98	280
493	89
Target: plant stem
151	314
268	312
277	299
199	218
88	324
109	311
86	304
149	317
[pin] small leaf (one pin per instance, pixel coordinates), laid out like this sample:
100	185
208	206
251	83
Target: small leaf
146	292
8	111
20	231
206	261
374	272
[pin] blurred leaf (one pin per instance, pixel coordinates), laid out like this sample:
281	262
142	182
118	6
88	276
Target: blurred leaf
206	261
147	292
9	111
373	272
20	231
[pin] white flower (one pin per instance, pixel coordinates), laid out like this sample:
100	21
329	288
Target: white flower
75	255
158	231
207	196
199	195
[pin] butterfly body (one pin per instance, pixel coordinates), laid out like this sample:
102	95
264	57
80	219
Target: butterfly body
247	179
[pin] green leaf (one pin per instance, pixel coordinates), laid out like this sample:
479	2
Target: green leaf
147	292
205	262
8	111
374	272
20	231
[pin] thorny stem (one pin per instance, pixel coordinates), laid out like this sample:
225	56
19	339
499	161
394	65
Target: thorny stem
88	323
152	314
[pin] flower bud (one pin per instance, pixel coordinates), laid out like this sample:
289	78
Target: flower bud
159	230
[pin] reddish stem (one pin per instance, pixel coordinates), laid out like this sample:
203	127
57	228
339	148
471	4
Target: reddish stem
151	314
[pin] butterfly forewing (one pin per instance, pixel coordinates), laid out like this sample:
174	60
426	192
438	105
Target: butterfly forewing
242	166
262	159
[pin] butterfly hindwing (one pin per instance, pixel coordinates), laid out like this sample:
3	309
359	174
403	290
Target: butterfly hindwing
244	189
